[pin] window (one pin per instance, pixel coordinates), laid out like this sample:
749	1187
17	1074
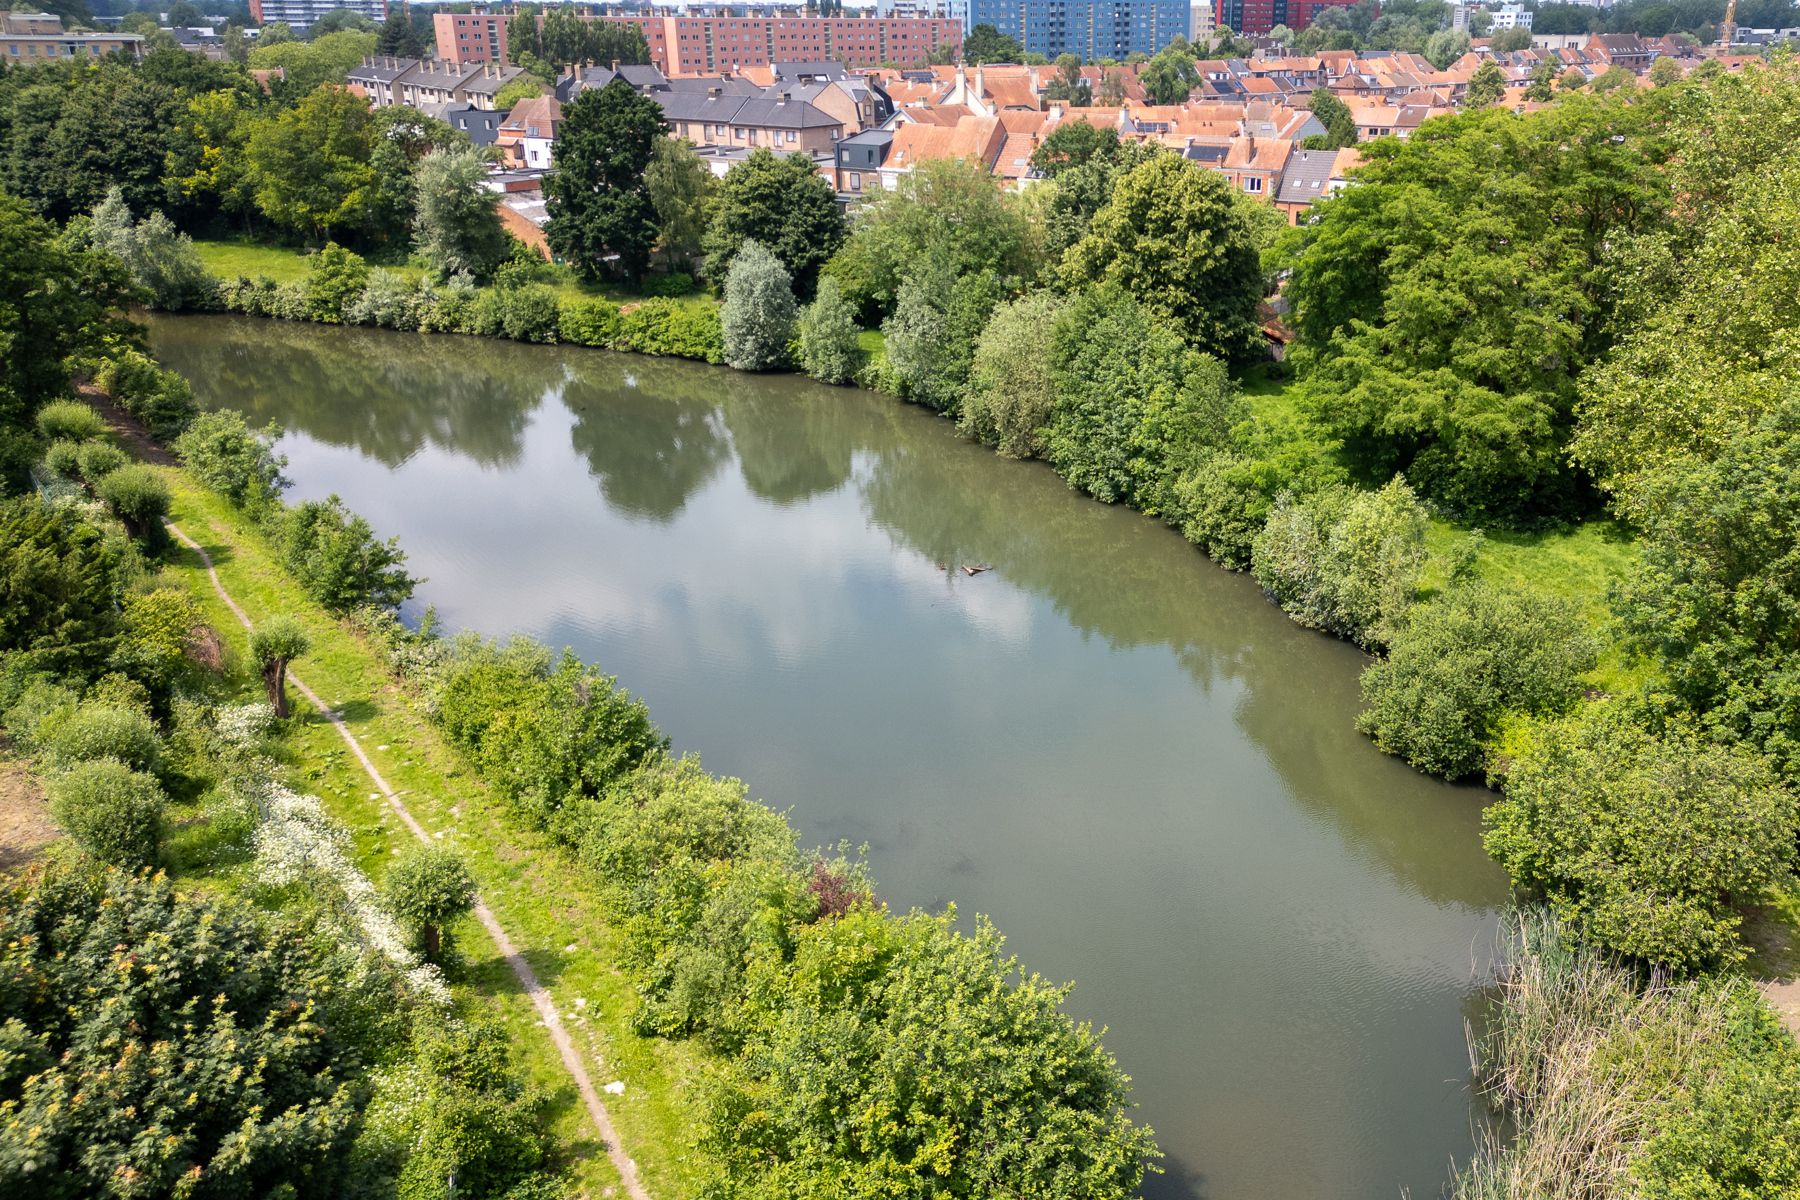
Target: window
1253	184
855	181
791	135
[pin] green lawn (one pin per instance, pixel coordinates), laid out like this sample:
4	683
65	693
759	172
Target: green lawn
540	896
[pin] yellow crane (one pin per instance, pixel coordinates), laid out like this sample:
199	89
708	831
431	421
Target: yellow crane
1729	25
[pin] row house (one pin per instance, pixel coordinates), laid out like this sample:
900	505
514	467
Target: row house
778	123
40	37
423	83
528	133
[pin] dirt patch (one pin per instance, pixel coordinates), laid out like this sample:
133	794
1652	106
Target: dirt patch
25	825
137	439
1775	961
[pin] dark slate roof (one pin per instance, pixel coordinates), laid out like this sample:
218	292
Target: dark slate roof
764	112
820	69
1307	177
382	70
705	83
481	124
1202	152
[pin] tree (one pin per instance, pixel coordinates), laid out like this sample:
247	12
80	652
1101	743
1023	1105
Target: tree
114	813
1074	144
223	453
1111	93
277	642
455	226
400	38
1334	114
1446	46
1171	74
334	279
930	338
601	216
1665	71
986	44
757	319
782	202
828	336
1173	238
1012	381
310	166
525	87
336	558
160	260
1571	80
428	888
1508	41
681	190
1463	662
208	166
140	498
59	587
134	1008
336	20
1543	78
1614	78
1487	86
328	58
1068	86
1649	841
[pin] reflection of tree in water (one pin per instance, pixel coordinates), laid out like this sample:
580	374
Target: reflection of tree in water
794	439
1129	580
646	427
386	394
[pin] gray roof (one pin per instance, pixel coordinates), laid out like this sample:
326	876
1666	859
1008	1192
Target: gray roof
381	70
643	78
818	69
482	83
1308	176
764	112
726	85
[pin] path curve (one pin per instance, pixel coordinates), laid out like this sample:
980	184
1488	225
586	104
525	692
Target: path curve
540	998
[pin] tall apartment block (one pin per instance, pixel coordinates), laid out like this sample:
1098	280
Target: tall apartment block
300	14
1089	29
1259	16
697	45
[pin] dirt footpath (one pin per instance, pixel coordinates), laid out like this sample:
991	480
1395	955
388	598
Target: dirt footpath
25	825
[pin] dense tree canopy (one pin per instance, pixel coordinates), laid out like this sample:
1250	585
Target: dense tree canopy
601	216
986	44
782	202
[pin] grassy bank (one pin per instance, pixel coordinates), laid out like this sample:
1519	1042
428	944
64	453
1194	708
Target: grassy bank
539	896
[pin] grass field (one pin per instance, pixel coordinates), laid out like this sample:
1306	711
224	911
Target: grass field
540	896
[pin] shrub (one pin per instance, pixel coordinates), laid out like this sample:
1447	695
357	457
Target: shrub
589	323
334	280
1344	561
664	327
165	638
63	458
161	399
450	307
528	314
59	583
97	460
427	889
70	420
758	316
827	332
228	457
336	558
389	301
114	813
140	498
930	338
1647	841
475	1130
1012	381
1464	661
672	284
277	642
93	731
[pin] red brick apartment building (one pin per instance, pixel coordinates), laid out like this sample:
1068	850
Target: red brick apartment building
684	45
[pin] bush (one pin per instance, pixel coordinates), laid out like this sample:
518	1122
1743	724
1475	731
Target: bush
1462	663
827	332
757	319
69	420
389	301
475	1131
165	634
97	460
114	813
161	400
528	314
1649	842
665	327
334	280
228	457
336	558
93	731
590	323
59	586
140	498
673	284
1344	561
930	338
63	458
1012	381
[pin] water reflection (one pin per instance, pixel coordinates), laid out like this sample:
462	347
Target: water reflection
1143	771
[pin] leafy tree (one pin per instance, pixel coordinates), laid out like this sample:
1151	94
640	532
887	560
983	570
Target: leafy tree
310	166
1487	86
1073	144
1134	403
334	279
187	1013
986	44
558	38
1613	78
114	813
525	87
455	226
277	642
1012	381
428	888
1509	40
681	190
207	166
758	316
1543	78
138	496
602	218
59	584
1334	114
1571	80
785	204
1171	73
1111	92
944	210
827	330
1069	86
1173	238
336	20
1446	46
1650	841
328	58
1348	562
930	339
1463	662
160	260
476	1130
335	557
1446	304
1665	71
400	38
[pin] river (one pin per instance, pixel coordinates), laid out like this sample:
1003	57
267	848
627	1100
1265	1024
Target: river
1140	769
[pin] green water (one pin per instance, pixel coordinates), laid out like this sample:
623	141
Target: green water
1145	774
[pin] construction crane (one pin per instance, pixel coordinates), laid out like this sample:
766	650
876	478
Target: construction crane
1729	26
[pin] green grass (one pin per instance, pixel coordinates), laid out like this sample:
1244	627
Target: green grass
543	899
